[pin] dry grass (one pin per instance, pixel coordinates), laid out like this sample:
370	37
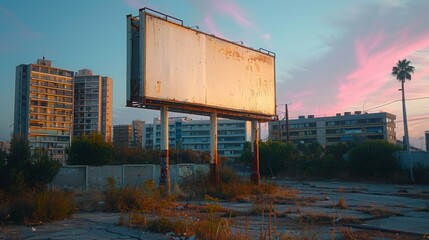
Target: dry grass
342	204
89	200
379	211
9	233
349	234
36	207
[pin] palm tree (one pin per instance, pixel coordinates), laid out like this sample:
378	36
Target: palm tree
403	71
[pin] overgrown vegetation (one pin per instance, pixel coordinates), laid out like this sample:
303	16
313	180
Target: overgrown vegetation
373	159
147	199
421	173
125	155
95	151
35	207
361	160
90	150
231	187
146	208
23	179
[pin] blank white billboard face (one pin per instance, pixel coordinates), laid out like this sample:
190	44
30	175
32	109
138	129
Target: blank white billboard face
188	67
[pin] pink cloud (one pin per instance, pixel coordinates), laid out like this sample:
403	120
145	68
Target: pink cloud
211	26
421	73
266	38
213	10
375	63
133	4
234	11
302	94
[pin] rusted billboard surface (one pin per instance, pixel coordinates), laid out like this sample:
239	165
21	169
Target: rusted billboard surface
197	71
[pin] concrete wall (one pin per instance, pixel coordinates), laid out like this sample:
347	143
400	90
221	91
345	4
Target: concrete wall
417	158
71	178
95	177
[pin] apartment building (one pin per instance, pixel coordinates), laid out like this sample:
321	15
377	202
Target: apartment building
44	106
334	129
185	133
93	100
129	135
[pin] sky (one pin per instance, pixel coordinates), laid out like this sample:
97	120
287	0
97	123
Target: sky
331	56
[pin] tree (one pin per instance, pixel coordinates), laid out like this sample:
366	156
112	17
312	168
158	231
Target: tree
41	170
403	71
13	174
21	170
275	157
373	159
90	150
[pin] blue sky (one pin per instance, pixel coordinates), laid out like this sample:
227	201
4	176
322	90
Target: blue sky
332	56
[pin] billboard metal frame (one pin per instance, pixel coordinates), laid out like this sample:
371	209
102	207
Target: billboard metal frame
135	89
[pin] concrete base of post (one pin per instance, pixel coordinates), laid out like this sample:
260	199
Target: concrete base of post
255	178
214	174
164	179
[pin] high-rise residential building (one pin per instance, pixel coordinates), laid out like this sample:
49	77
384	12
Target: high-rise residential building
44	107
334	129
185	133
129	135
122	135
137	136
92	104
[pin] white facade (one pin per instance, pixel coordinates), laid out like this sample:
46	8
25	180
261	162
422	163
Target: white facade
334	129
93	104
185	133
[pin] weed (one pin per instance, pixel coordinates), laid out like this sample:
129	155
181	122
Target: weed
88	201
379	211
231	187
41	206
342	204
348	234
160	225
9	233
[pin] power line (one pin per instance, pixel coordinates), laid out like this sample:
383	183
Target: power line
414	119
410	99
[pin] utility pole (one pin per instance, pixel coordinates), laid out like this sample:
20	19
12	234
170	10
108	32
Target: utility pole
279	132
287	123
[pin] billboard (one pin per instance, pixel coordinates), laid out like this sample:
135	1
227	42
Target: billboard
187	70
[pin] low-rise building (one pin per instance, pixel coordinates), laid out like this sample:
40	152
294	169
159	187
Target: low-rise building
334	129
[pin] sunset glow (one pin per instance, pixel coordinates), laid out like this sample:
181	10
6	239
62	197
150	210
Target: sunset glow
330	58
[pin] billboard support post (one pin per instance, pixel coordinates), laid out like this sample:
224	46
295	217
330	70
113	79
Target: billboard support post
214	161
164	180
255	176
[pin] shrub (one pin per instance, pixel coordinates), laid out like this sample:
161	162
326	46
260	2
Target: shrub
342	204
44	206
121	199
421	173
90	150
160	225
373	159
42	169
230	187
